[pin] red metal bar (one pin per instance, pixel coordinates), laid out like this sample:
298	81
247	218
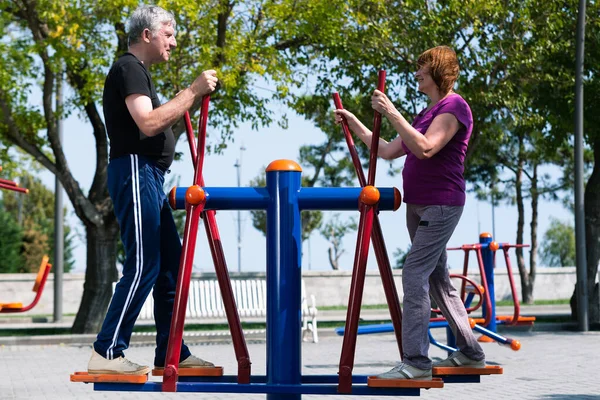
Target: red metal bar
488	302
350	142
190	136
375	136
216	249
13	188
383	261
190	234
181	296
38	294
198	179
477	289
9	183
355	298
513	289
233	318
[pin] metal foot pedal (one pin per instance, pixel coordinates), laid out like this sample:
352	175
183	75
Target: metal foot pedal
108	378
212	371
447	371
437	383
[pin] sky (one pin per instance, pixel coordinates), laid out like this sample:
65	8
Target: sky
264	146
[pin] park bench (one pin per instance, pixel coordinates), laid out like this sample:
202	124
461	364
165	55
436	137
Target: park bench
205	303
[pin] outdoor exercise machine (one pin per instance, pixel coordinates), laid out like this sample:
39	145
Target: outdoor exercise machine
38	288
485	251
283	198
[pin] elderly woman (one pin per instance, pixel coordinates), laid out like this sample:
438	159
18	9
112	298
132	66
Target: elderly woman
435	146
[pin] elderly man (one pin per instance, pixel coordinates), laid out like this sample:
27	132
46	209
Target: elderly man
142	146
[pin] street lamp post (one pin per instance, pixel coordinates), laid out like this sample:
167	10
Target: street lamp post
238	166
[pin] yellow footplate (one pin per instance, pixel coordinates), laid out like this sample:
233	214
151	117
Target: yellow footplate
212	371
488	370
108	378
437	383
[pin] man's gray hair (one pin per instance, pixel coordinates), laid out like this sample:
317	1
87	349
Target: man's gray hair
148	17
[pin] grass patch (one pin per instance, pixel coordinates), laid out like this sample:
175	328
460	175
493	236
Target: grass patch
535	302
500	303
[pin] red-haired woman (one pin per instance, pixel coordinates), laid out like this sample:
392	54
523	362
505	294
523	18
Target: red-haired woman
435	146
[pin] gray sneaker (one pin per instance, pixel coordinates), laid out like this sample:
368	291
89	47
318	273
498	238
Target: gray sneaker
405	371
458	359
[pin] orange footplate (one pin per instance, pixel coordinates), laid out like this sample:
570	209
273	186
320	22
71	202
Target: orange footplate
108	378
488	370
437	383
212	371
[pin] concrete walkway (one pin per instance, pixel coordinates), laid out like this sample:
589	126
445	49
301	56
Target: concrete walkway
558	365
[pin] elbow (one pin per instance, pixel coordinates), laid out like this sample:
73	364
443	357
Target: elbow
385	155
149	130
425	154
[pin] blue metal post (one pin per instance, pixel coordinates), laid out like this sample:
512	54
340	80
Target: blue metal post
488	264
284	276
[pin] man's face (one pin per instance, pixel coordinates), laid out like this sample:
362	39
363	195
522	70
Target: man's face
162	42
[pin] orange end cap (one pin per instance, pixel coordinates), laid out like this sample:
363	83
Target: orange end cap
494	246
472	323
369	195
515	345
482	289
485	235
172	200
194	195
397	199
284	165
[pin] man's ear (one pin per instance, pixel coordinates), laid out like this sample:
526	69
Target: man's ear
146	35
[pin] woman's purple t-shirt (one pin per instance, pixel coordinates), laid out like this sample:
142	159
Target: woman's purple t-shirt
439	180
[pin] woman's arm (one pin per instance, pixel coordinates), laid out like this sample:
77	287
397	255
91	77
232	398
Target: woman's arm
386	150
442	128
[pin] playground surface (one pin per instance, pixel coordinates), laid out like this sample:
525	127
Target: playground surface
550	365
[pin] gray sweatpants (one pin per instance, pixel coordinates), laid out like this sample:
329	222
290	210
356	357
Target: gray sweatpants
424	272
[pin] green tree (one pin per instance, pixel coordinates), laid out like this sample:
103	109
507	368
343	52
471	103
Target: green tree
246	41
34	212
11	236
400	256
558	247
334	231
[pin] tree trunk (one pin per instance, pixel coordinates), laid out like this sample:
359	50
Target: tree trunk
100	274
528	299
525	287
592	240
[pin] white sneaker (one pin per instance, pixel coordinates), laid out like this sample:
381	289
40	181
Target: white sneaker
192	362
458	359
195	362
405	371
99	365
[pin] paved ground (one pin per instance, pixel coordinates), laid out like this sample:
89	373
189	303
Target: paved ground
550	365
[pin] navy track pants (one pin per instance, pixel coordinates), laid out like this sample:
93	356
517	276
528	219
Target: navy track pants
153	250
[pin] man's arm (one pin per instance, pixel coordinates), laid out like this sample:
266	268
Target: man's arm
154	121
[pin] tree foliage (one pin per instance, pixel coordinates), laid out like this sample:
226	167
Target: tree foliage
558	246
34	214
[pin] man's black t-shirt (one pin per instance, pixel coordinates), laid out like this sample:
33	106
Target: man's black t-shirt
129	76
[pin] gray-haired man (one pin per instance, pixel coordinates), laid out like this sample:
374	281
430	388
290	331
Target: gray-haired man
142	146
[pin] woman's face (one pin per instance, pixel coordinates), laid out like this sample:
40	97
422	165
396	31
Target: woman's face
425	81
